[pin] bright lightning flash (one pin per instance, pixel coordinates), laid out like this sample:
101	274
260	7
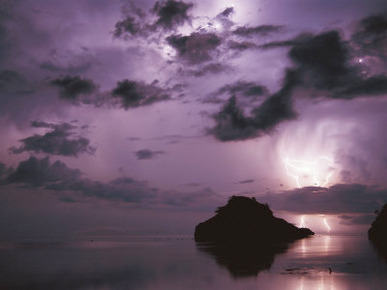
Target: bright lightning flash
327	225
302	222
296	169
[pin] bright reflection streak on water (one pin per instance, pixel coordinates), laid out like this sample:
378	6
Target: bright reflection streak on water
177	263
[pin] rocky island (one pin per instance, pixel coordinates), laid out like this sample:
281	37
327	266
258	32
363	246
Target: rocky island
245	237
245	220
377	234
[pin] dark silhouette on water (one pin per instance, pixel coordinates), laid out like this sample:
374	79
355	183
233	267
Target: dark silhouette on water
245	220
244	260
244	236
377	234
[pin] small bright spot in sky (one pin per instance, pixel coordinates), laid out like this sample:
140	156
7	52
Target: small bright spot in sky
168	51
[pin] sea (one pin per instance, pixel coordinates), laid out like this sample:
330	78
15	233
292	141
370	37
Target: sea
177	262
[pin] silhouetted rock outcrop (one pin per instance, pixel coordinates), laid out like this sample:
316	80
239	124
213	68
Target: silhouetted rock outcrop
245	221
377	234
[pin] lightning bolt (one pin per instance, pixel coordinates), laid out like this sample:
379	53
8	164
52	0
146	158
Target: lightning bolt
306	167
327	225
302	222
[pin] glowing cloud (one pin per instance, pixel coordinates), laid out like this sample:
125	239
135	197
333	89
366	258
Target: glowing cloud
316	173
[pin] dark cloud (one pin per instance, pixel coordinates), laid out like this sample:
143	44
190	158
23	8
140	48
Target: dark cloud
241	46
58	141
136	94
375	85
243	88
323	63
71	187
371	36
212	68
278	107
38	172
246	181
227	12
71	87
278	44
144	154
195	48
128	25
262	30
6	44
58	177
337	199
322	60
171	13
232	124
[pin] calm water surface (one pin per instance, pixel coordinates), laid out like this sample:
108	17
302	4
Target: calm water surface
320	262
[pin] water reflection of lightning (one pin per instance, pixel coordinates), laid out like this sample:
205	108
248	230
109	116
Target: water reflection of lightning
294	167
327	225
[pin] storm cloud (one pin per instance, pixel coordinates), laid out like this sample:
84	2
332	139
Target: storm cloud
136	94
71	186
59	141
171	13
323	63
71	87
232	124
38	172
337	199
196	47
262	30
145	154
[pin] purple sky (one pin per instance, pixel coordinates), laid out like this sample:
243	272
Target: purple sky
141	117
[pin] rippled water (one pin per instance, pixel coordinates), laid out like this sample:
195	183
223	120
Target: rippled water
320	262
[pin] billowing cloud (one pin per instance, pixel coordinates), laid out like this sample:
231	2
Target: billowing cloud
72	187
323	63
71	87
128	25
233	124
196	47
144	154
136	94
59	141
39	172
171	13
371	36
